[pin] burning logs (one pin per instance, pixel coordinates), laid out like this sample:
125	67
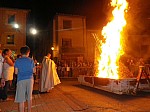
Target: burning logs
124	71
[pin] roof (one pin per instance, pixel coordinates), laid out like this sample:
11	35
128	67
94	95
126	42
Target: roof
6	8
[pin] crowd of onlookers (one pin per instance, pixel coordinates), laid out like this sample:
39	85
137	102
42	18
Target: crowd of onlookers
133	65
74	69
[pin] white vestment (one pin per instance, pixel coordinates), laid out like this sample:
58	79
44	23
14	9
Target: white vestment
49	77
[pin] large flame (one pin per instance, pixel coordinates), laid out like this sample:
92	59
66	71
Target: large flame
112	49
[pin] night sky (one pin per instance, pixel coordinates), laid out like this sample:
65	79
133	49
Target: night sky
44	10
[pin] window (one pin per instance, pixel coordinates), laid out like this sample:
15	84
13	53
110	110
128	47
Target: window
67	24
11	19
66	43
10	39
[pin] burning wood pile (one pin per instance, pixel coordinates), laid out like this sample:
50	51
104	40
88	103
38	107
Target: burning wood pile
124	71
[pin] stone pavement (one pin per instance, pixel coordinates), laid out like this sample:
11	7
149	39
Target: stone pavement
55	101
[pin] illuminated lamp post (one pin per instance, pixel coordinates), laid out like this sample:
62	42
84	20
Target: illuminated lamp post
54	51
16	26
52	48
33	31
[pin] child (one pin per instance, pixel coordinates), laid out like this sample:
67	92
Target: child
25	68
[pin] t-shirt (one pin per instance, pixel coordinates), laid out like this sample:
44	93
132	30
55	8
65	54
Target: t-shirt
25	67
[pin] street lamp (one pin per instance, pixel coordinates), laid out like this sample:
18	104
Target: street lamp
52	48
33	31
37	35
15	25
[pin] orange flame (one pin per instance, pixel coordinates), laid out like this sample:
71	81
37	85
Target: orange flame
112	48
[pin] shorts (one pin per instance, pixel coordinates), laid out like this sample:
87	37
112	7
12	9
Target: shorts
24	90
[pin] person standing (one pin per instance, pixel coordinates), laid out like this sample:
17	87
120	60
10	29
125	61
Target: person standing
24	68
1	63
7	72
49	76
2	81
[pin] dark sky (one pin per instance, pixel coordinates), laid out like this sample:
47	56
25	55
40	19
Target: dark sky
44	10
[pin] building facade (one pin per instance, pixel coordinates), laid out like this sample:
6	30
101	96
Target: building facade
69	37
12	37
